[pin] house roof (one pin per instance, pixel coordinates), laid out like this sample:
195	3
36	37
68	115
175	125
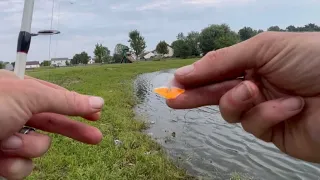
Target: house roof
144	53
32	63
9	67
59	59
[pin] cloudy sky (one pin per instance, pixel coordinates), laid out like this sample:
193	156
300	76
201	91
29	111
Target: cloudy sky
83	23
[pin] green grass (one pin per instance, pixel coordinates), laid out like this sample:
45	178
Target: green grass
69	159
240	176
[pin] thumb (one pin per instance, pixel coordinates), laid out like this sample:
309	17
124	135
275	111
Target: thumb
230	62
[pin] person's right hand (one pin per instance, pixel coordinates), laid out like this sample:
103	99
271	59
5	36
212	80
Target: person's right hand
278	101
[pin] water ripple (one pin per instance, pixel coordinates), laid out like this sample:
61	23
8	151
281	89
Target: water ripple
209	147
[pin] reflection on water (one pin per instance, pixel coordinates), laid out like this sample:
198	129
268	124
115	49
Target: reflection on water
207	146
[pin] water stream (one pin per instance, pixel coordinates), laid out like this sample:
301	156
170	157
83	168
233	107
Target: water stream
208	147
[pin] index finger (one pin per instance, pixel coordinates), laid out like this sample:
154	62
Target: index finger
45	83
228	63
89	117
39	98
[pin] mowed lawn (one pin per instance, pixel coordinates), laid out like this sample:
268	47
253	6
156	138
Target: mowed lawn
69	159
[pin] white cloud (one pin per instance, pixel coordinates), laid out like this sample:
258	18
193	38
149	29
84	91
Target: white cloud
216	2
85	22
120	6
172	4
158	4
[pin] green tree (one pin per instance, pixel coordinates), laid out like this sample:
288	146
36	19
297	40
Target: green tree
101	53
274	28
13	64
46	63
75	59
216	37
260	31
311	27
181	49
176	45
67	63
162	48
82	58
2	65
192	40
246	33
207	38
181	36
137	42
291	28
119	52
185	50
117	58
107	59
226	40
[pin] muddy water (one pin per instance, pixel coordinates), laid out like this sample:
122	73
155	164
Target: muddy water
200	141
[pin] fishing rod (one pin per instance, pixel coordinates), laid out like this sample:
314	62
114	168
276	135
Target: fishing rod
24	39
25	36
23	45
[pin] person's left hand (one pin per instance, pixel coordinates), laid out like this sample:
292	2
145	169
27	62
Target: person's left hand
44	106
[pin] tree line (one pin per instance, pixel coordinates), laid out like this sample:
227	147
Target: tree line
216	37
193	44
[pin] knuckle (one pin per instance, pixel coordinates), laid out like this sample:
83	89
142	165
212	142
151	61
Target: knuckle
73	102
251	125
51	123
222	52
29	81
212	55
265	36
6	73
70	100
210	58
246	126
225	109
29	84
227	115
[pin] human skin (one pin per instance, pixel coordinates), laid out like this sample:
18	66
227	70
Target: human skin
278	99
44	106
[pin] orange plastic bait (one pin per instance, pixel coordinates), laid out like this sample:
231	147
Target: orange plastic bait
169	93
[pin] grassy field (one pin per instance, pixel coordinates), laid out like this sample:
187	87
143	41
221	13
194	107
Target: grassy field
68	159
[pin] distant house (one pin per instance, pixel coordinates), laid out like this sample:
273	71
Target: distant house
147	55
91	61
32	64
58	62
134	56
154	53
170	52
8	67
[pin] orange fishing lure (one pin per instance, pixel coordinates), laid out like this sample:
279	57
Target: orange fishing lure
169	93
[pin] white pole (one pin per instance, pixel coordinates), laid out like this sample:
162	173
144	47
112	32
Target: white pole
51	28
24	39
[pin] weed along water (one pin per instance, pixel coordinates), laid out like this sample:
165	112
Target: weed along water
203	143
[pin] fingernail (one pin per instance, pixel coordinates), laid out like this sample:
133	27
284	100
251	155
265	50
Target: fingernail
13	142
96	102
292	104
174	83
185	70
242	93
